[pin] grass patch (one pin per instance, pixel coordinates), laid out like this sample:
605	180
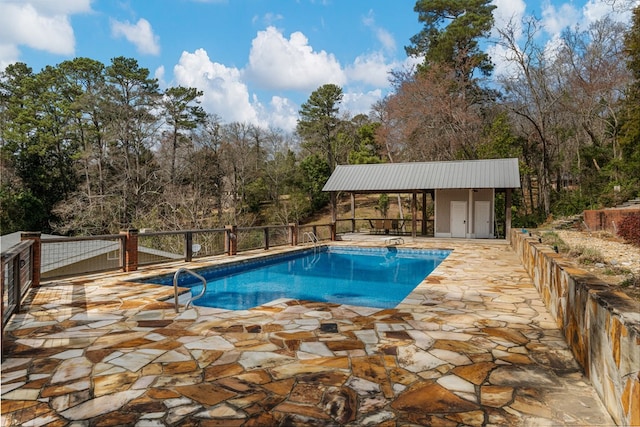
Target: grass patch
616	271
633	281
552	239
586	255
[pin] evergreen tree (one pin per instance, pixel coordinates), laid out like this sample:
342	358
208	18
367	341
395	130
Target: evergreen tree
630	133
451	33
319	122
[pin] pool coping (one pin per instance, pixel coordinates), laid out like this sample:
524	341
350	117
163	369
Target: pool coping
294	252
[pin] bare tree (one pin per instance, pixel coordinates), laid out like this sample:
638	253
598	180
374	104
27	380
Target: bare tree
533	95
565	99
430	118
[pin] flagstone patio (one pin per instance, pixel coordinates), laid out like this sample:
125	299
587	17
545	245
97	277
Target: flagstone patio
472	345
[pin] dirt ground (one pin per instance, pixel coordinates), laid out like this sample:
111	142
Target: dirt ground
619	262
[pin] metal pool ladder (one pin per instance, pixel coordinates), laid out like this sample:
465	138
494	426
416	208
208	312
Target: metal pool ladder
175	286
312	238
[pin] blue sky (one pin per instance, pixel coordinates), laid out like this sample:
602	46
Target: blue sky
256	61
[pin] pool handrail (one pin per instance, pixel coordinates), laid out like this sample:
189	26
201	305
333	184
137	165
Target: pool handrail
175	286
312	238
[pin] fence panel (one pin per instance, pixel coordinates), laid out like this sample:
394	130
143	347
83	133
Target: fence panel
158	247
279	235
65	256
16	277
321	231
250	238
208	243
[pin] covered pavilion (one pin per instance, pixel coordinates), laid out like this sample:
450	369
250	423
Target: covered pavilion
463	192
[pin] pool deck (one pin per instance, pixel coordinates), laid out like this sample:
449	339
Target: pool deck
472	345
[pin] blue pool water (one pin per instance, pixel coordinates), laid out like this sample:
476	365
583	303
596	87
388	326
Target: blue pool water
373	277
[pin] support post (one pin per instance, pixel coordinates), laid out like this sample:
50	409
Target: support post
130	250
36	254
188	250
231	240
424	213
414	213
266	238
334	206
353	212
293	229
507	214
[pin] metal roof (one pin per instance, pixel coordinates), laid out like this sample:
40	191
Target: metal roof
395	177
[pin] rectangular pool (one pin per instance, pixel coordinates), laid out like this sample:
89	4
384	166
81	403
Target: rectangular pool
372	277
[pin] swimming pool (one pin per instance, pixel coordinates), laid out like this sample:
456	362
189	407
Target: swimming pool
372	277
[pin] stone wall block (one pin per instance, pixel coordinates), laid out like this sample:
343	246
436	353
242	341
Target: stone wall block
630	395
601	325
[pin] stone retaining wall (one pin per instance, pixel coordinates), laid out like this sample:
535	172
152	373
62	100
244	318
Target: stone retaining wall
600	324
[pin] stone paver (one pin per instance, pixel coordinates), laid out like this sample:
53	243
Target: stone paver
473	345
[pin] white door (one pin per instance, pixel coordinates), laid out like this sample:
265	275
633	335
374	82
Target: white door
482	219
458	219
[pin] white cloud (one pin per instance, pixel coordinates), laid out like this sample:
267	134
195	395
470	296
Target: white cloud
9	54
268	18
384	37
38	24
371	69
360	103
554	20
225	93
276	62
282	113
594	10
65	7
140	34
159	74
508	12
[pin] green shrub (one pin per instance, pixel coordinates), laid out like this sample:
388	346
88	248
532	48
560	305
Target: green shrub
586	255
629	229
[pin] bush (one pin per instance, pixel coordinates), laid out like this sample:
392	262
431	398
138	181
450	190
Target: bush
629	229
586	255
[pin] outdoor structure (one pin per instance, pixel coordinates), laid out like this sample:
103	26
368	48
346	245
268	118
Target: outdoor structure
463	192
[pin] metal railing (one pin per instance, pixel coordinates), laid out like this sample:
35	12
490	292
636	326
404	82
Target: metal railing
175	286
16	279
161	246
385	226
69	256
250	238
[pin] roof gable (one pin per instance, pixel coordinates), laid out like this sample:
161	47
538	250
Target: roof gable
494	173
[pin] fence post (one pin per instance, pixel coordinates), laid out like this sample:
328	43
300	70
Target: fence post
188	250
231	239
293	229
333	231
130	249
36	255
2	285
266	238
